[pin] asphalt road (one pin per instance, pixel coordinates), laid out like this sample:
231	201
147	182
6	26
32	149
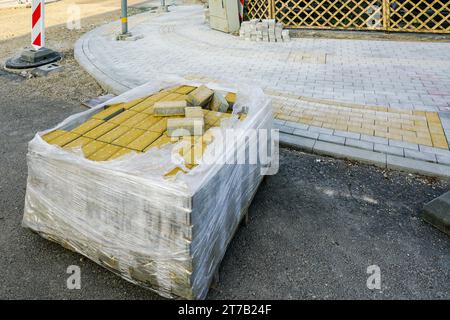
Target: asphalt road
314	227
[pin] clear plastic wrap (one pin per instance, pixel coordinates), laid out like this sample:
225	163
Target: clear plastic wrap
168	234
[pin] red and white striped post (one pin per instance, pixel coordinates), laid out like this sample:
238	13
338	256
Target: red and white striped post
37	24
241	10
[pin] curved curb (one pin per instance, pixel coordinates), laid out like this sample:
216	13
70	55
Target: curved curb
81	53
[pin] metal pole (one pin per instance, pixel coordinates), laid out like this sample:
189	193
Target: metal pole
124	17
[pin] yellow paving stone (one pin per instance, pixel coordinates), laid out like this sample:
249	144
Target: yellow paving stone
286	117
129	136
77	143
171	97
380	128
147	122
366	131
341	127
187	90
144	140
143	105
161	141
158	96
329	125
433	118
134	120
113	134
159	126
408	127
87	126
382	134
354	126
436	128
119	119
104	153
305	121
424	141
420	123
316	123
132	103
407	133
108	112
100	130
231	98
91	147
121	152
53	135
394	125
64	139
423	134
439	141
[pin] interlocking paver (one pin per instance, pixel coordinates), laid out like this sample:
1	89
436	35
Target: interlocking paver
356	93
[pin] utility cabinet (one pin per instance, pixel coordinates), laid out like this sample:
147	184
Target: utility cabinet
224	15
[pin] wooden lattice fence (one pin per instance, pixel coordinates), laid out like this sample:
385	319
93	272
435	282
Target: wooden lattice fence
389	15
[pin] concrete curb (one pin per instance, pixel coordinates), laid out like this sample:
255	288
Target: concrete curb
365	156
82	54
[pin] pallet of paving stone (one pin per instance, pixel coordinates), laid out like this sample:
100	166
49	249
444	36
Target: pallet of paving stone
113	184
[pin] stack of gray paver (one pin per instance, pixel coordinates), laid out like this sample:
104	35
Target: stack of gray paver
266	30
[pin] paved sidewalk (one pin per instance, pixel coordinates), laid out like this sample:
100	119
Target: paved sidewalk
379	99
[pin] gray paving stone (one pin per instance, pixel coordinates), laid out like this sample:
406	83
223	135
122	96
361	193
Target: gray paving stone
434	150
297	142
388	149
347	134
339	151
359	144
417	166
443	159
374	139
286	129
306	133
403	144
320	130
296	125
413	154
279	122
437	213
331	138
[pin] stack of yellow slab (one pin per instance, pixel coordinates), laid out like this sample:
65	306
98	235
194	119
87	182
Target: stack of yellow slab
131	126
166	234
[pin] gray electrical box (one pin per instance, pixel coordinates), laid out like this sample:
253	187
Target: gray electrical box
224	15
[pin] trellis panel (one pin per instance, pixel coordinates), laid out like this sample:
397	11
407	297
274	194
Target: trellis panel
389	15
419	16
330	14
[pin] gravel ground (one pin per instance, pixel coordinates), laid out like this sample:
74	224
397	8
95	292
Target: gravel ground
314	227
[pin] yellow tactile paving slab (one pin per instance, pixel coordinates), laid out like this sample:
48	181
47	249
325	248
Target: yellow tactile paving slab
64	139
113	134
418	127
128	137
147	123
92	147
121	152
77	143
123	128
144	140
104	153
100	130
53	135
159	126
122	117
108	112
134	120
87	126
